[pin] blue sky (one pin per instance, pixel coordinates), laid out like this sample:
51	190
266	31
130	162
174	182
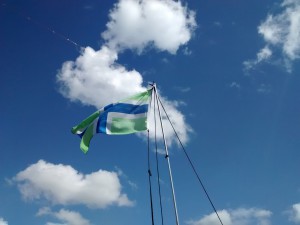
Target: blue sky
228	74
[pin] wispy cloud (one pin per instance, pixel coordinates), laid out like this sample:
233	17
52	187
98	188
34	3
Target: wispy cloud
62	184
240	216
187	51
183	89
281	31
160	151
120	172
96	78
88	7
64	216
264	89
217	24
263	55
235	85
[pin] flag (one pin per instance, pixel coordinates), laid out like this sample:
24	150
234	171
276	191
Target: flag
124	117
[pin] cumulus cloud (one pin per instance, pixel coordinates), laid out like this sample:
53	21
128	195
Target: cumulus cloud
282	31
3	222
62	184
136	24
240	216
212	219
177	119
96	78
294	213
64	216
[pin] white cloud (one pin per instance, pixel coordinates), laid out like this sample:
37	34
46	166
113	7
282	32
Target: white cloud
62	184
263	55
71	217
212	219
282	31
294	213
3	222
95	78
244	216
177	119
65	217
270	29
240	216
136	24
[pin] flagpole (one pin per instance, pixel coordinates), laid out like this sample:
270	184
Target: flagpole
167	157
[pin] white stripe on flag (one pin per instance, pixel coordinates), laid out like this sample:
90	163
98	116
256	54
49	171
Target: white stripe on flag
95	123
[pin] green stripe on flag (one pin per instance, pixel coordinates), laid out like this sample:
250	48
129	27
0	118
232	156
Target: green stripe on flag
140	97
86	138
128	126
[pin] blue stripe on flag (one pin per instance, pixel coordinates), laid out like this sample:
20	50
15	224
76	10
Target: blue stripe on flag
107	107
128	108
119	108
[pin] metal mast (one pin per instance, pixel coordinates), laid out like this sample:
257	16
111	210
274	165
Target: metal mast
167	156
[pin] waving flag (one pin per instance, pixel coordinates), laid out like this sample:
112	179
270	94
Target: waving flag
124	117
